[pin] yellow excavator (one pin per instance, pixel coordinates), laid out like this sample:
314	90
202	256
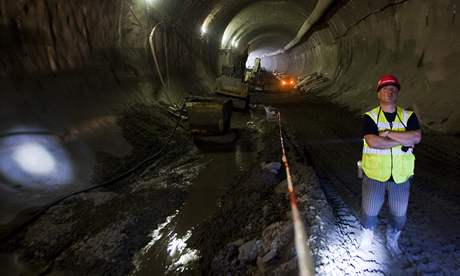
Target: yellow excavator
233	89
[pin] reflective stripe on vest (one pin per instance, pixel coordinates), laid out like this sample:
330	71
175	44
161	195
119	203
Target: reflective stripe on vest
381	164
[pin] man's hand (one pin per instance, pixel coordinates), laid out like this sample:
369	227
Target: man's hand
384	133
380	141
406	138
388	139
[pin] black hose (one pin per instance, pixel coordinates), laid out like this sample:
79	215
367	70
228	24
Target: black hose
15	133
111	181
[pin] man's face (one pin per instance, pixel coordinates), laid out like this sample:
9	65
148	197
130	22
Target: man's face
388	94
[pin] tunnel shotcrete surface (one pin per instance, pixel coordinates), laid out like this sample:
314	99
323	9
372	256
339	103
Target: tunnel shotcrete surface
99	173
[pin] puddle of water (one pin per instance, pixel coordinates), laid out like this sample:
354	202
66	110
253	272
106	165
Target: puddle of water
168	253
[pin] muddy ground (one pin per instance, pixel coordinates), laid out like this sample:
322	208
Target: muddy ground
252	232
102	231
97	231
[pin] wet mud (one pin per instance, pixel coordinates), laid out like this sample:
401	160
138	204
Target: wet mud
252	232
107	230
151	221
96	232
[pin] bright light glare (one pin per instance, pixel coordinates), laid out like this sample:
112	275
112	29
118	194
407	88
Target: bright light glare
177	247
234	43
203	30
156	234
180	256
34	158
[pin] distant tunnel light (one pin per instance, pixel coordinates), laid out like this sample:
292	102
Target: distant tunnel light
34	159
152	3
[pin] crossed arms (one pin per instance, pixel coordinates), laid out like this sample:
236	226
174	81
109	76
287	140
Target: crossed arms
388	139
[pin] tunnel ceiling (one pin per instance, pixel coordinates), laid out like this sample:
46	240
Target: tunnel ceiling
242	21
264	17
275	37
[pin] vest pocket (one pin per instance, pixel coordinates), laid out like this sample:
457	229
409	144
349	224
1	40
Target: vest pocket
408	164
371	165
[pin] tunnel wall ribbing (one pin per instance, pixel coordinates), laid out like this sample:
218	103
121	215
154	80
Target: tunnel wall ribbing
415	40
60	60
64	63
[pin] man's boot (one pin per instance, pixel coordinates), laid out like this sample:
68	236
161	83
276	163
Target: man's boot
367	235
392	241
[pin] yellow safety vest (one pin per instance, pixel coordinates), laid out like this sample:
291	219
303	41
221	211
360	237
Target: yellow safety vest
381	164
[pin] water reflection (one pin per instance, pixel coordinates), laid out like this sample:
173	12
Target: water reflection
169	252
179	256
32	157
180	253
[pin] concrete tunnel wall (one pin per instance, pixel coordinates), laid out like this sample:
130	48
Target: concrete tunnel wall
77	64
357	41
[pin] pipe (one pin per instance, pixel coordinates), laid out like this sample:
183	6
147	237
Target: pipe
315	15
120	21
165	47
154	54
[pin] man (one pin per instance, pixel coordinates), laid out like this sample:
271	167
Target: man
390	133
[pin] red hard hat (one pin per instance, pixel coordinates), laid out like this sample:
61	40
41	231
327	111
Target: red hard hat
387	80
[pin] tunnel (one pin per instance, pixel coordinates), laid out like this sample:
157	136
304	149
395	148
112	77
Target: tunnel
220	137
